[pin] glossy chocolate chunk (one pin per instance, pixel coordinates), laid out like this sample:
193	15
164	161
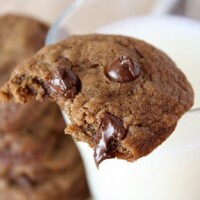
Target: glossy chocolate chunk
63	82
111	129
123	69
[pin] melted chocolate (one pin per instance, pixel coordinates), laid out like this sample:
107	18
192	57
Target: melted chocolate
123	69
63	82
111	129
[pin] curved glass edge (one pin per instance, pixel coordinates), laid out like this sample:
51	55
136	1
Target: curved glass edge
53	31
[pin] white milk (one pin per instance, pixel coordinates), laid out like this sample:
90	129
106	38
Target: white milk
85	16
172	171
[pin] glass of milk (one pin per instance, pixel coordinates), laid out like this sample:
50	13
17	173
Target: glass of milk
171	172
86	16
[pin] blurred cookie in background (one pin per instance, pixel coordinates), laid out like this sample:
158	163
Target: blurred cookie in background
20	38
51	173
37	161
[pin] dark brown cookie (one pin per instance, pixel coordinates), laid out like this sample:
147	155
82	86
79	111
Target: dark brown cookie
121	95
37	161
32	146
39	158
69	184
20	38
33	171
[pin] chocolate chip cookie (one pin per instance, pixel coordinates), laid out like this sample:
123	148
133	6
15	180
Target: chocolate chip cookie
121	95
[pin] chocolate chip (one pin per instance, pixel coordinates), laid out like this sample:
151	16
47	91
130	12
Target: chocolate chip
111	129
123	69
63	82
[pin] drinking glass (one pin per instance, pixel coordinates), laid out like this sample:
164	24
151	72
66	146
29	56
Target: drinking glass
172	170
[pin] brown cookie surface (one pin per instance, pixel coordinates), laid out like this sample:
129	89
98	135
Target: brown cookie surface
121	95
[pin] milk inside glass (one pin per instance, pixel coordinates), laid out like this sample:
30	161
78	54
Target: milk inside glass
171	172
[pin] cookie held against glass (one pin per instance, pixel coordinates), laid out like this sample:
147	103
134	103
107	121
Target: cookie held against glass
121	95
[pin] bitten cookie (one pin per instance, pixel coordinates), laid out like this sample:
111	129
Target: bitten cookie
121	95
